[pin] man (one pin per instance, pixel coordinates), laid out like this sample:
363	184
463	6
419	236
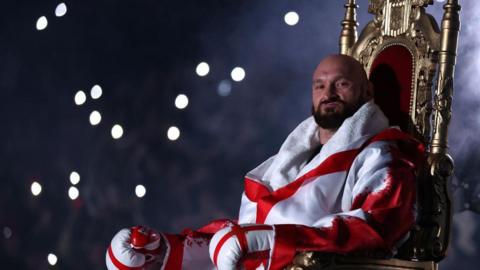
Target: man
342	182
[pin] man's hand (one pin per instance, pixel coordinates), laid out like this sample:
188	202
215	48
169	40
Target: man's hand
134	249
242	244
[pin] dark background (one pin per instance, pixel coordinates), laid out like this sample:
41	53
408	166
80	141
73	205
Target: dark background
144	53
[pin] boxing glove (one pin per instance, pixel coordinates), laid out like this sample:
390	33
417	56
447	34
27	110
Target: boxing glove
231	247
137	248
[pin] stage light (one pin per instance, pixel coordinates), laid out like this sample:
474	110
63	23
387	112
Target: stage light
52	259
238	74
42	23
80	98
36	188
96	91
60	10
181	102
7	232
224	88
73	193
202	69
95	118
74	178
140	191
291	18
173	133
117	131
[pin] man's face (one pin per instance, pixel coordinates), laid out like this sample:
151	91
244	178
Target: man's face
338	91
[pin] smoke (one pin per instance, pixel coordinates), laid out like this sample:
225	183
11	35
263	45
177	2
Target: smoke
465	121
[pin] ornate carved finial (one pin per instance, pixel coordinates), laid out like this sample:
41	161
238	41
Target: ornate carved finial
348	36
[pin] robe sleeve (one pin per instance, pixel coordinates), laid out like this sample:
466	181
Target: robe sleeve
381	213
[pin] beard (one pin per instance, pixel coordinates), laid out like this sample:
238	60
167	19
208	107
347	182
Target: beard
333	118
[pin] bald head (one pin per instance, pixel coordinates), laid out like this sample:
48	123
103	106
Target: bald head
340	87
344	63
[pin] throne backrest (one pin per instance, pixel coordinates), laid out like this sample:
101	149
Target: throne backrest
403	52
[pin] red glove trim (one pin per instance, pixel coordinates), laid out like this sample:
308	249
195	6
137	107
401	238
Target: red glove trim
118	264
239	233
284	249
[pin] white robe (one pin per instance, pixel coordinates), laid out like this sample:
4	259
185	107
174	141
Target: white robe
315	201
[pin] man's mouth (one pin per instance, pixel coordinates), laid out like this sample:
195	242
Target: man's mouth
331	104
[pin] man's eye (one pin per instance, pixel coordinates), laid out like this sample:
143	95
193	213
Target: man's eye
343	84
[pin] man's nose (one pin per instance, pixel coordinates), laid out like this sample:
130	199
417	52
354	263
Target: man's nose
330	91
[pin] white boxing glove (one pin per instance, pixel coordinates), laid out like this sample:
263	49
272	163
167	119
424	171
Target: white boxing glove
230	245
137	248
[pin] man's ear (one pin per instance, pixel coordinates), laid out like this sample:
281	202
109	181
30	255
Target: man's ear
369	91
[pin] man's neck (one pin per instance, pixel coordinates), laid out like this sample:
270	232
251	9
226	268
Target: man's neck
325	134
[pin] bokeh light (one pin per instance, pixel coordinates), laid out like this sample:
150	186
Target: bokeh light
140	191
42	23
96	91
74	178
224	88
181	101
291	18
7	232
36	188
80	98
73	193
61	10
173	133
52	259
202	69
117	131
95	118
238	74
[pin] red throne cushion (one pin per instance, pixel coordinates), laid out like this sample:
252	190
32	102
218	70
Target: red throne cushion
391	75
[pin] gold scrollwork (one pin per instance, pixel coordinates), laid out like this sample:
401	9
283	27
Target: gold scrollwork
367	53
375	6
422	3
397	18
443	102
423	108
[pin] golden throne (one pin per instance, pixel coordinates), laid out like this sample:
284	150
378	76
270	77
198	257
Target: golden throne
403	51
